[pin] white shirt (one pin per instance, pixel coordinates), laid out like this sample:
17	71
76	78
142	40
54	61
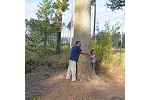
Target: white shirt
93	58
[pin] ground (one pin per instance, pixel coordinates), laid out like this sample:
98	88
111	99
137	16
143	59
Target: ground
110	86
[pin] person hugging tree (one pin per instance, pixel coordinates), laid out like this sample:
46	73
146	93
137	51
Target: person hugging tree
93	59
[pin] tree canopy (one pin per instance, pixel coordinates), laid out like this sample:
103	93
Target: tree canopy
115	4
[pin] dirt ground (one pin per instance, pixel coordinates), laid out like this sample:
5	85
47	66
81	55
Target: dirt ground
110	86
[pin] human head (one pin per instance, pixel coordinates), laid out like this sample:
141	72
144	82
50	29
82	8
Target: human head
92	51
78	43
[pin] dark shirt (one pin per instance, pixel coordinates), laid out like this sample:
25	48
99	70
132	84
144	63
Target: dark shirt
75	52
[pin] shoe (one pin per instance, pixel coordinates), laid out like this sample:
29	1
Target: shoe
76	80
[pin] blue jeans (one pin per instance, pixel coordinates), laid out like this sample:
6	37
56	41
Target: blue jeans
94	66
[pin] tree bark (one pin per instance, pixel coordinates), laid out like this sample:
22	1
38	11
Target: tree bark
59	34
58	50
94	18
82	32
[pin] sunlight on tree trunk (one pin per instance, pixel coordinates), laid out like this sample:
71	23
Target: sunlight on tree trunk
123	25
82	32
94	18
71	34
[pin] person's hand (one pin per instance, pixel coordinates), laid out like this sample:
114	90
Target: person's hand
89	54
86	53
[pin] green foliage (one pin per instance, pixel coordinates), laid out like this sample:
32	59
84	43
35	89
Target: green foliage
66	50
48	22
46	10
98	50
93	2
44	28
105	42
123	40
116	63
106	46
116	40
115	34
61	5
41	40
40	32
103	45
115	4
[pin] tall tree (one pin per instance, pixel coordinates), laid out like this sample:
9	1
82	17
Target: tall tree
116	39
44	14
123	40
115	4
61	6
93	3
116	36
103	44
26	29
82	30
36	34
63	26
69	26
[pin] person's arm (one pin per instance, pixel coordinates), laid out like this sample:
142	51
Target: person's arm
93	56
81	52
84	53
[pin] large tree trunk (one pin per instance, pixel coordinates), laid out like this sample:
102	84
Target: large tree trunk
82	32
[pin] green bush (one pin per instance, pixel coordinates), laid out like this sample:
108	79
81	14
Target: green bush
102	46
36	56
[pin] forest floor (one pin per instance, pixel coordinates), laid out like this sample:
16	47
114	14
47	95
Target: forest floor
110	86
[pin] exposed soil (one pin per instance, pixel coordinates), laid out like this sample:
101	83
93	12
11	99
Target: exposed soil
110	86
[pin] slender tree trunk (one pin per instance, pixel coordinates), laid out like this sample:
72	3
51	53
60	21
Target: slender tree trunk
46	34
45	38
94	18
58	50
70	34
59	33
82	30
122	26
70	39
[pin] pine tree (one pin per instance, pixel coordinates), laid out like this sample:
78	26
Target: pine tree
61	6
46	20
82	33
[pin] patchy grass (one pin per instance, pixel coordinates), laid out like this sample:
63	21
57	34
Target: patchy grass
117	62
115	68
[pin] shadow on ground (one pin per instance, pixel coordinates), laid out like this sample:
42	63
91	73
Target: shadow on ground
55	87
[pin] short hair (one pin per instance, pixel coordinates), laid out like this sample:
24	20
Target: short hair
77	42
